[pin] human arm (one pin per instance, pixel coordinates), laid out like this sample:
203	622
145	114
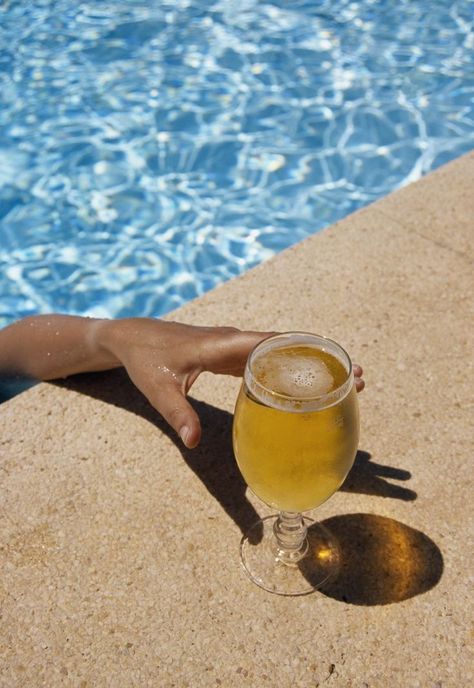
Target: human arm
162	358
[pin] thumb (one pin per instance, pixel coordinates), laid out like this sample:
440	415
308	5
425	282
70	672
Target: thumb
228	353
170	401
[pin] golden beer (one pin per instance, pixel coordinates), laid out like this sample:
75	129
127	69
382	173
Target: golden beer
296	425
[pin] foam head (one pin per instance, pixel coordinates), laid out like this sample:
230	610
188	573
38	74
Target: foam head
298	374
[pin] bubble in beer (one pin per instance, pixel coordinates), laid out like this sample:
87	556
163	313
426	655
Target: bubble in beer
297	375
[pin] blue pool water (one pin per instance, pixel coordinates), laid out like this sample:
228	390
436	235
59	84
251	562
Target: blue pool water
150	150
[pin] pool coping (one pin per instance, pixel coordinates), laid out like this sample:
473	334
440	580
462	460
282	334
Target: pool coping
120	549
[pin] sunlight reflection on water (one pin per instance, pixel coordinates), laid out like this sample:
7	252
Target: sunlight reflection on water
151	150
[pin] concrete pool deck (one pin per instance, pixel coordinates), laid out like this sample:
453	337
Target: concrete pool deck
119	552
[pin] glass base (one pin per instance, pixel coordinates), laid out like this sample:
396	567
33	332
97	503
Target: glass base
319	560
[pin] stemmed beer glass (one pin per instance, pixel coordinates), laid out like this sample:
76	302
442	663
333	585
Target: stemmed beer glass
295	434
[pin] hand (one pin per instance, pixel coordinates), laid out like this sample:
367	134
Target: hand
164	359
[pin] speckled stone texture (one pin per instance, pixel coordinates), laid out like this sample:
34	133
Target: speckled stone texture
119	549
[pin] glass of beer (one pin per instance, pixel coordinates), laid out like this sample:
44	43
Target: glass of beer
295	435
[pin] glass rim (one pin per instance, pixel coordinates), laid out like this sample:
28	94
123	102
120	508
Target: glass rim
318	401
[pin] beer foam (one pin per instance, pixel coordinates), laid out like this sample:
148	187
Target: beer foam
293	376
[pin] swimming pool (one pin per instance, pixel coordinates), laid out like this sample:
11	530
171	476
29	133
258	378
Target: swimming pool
151	150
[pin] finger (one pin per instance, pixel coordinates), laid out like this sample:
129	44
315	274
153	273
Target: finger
170	401
359	382
228	353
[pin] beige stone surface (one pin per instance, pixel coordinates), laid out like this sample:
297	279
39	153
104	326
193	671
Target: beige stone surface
444	212
119	548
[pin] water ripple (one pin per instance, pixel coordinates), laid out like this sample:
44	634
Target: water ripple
150	150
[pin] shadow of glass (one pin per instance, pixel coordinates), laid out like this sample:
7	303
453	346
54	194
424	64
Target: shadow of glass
380	561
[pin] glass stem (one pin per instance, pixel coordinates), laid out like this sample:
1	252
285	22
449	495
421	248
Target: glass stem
290	533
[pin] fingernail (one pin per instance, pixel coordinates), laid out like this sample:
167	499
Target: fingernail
184	434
